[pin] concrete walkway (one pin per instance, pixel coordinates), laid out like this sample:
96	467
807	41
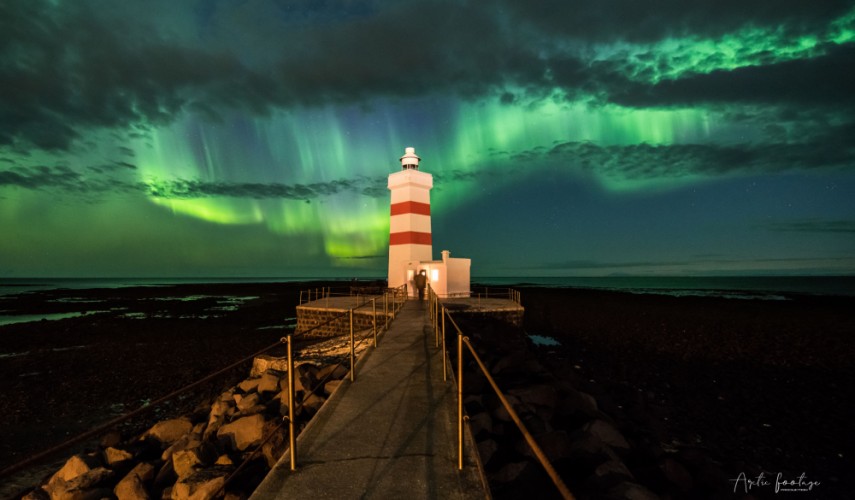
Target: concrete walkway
390	434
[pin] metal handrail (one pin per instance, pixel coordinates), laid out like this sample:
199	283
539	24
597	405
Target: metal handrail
439	310
486	293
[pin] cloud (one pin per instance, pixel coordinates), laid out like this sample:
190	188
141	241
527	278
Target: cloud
70	67
645	161
839	226
65	179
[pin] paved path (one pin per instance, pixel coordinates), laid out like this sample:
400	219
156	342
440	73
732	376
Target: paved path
390	434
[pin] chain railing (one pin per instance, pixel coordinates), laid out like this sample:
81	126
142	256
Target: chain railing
438	315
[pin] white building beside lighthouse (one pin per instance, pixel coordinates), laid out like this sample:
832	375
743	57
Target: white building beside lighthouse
410	241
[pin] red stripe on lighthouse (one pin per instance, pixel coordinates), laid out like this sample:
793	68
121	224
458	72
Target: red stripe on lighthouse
411	207
409	238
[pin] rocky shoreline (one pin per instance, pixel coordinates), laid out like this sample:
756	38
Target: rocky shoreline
640	396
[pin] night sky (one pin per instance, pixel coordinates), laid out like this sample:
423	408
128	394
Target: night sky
588	138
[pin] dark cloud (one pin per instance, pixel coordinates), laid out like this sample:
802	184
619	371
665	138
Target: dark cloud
73	66
826	80
846	226
65	179
645	161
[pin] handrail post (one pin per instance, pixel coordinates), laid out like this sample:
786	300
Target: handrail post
386	309
374	318
436	323
352	375
444	367
459	400
291	437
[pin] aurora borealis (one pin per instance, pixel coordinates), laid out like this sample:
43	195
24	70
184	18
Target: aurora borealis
587	138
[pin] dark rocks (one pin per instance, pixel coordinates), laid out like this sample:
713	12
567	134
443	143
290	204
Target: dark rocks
191	456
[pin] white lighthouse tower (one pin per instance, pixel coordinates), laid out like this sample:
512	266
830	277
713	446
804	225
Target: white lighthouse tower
409	226
410	241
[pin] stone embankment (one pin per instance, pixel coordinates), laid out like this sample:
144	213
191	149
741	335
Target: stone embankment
191	456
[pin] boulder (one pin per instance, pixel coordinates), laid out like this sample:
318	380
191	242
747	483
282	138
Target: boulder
185	463
74	467
501	412
509	472
314	402
480	422
486	449
269	382
264	362
554	444
169	431
331	386
541	395
247	401
219	411
115	456
577	404
277	443
202	485
606	433
243	432
224	460
332	372
83	486
612	468
631	491
677	475
131	487
249	385
307	374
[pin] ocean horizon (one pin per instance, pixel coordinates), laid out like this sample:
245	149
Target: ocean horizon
728	286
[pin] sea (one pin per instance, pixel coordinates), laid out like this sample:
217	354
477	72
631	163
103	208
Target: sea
736	287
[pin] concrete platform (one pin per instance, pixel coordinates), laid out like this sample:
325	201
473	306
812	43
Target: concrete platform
390	434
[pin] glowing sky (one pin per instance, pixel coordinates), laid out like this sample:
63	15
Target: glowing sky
253	138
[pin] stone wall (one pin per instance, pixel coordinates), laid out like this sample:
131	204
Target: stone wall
513	317
309	317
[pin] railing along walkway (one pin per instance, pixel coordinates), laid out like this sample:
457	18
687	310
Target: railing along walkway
390	434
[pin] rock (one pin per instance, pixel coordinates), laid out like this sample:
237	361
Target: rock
248	401
331	386
631	491
114	456
509	472
613	468
541	395
332	372
224	460
249	385
314	402
307	376
501	412
576	404
165	476
264	362
131	487
202	485
606	433
176	446
219	411
82	486
677	475
269	382
277	443
143	470
243	432
486	449
480	422
169	431
555	445
185	463
511	363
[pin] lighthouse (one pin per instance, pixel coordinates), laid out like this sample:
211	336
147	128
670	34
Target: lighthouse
410	239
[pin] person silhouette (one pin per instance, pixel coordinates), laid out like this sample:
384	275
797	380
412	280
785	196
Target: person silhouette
421	283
